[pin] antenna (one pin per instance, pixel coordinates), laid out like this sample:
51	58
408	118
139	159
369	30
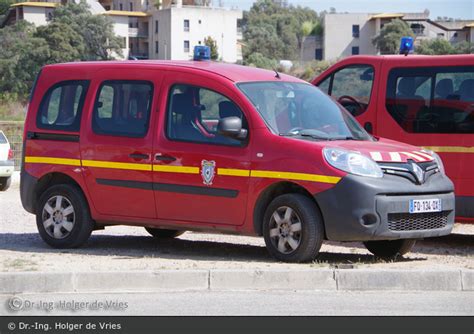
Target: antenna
277	75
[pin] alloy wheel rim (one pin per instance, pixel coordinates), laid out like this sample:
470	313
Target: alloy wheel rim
285	230
58	217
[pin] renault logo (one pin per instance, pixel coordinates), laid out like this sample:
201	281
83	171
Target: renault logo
419	173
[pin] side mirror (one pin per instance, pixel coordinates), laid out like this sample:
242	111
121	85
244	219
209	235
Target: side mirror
231	127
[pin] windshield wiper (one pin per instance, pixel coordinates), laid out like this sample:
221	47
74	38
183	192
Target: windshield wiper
303	134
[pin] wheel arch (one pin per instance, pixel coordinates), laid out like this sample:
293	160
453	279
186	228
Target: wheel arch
51	179
270	193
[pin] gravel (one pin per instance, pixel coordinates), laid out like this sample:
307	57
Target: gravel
131	248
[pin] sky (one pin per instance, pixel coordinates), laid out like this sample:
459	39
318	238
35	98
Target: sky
463	9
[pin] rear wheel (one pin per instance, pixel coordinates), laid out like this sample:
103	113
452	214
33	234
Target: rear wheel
5	183
390	249
293	228
63	217
163	234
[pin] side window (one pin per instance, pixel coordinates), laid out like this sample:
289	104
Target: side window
324	85
352	87
122	108
61	106
194	112
432	100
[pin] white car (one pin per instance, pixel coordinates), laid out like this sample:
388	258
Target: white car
6	163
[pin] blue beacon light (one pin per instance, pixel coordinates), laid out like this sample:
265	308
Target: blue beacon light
406	45
202	52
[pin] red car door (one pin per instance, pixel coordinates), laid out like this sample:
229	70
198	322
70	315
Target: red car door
199	176
116	143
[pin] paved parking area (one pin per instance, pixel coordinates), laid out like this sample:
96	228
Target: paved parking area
131	248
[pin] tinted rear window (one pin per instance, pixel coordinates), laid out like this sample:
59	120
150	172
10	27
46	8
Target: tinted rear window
432	99
3	139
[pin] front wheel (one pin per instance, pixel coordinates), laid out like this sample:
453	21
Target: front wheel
63	217
293	228
390	249
5	183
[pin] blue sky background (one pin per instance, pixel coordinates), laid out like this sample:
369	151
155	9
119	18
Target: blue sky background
463	9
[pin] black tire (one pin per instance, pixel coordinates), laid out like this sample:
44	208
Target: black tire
5	183
311	231
390	249
163	234
82	226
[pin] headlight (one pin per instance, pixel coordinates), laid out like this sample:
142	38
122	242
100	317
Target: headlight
352	162
437	158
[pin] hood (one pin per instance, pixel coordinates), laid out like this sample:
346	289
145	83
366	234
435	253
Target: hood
385	150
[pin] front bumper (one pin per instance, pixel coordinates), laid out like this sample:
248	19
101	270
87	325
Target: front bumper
361	208
6	168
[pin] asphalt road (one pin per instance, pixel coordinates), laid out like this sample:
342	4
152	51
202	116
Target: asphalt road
248	303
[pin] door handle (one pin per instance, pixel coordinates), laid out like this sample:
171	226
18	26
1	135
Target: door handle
160	157
139	156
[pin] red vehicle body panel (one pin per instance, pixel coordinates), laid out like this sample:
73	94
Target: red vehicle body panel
249	170
456	150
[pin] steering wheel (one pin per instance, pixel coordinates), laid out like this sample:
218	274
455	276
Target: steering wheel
354	101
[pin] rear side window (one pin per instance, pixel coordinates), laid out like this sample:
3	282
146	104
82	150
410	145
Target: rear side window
432	99
61	107
122	108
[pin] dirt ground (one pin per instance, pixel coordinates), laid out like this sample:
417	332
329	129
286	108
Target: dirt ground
131	248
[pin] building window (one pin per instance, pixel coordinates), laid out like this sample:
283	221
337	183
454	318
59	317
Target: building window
440	35
131	6
455	34
120	6
355	31
124	42
355	50
156	27
318	54
418	29
186	46
199	21
186	25
157	47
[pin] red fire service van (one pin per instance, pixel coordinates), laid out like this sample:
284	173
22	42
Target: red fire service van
426	101
198	145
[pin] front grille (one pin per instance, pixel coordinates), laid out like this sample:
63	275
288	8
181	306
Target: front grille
417	221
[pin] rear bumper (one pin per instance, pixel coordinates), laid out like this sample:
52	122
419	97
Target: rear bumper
362	208
6	168
27	191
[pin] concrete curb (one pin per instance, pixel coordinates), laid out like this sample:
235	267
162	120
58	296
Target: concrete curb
219	280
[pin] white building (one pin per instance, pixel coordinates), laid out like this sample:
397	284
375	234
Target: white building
170	32
348	34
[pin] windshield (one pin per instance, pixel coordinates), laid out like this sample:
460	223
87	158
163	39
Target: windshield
302	110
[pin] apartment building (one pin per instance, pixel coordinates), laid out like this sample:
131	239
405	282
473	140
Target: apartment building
348	34
168	32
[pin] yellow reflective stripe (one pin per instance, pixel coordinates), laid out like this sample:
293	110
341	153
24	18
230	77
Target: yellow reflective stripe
186	169
53	161
295	176
233	172
116	165
176	169
451	149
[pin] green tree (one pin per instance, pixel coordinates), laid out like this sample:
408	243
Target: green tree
21	57
388	40
65	44
212	44
4	6
275	31
100	42
442	47
306	30
256	59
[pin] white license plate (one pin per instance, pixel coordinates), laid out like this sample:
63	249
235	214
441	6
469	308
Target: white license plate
425	205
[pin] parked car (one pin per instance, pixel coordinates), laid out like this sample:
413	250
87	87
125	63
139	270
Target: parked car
6	163
204	146
425	101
